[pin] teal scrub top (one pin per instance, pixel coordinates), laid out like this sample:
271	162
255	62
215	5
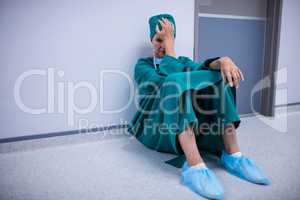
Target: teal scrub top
170	87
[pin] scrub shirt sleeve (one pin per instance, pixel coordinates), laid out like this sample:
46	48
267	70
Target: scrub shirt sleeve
202	65
144	73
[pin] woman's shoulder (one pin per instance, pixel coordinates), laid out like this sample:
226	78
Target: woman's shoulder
184	58
144	63
149	60
144	60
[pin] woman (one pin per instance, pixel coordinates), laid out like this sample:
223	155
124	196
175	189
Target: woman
172	118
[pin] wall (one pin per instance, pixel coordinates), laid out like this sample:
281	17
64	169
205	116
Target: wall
52	54
288	75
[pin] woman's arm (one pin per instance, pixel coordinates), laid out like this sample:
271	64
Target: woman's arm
229	71
211	64
145	74
169	64
167	34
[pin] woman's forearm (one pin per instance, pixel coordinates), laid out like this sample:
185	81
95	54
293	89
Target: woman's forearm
217	63
169	47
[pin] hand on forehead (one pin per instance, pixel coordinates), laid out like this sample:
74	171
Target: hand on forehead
165	23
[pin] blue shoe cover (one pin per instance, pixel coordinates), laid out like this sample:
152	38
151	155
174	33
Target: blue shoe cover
202	181
243	167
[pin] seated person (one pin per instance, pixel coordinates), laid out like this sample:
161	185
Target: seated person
170	117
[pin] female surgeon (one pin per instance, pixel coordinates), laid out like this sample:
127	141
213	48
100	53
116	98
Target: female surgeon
172	118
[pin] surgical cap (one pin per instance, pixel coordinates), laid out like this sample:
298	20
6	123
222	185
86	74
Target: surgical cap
153	21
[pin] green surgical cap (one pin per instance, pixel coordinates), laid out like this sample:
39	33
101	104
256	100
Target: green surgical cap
153	21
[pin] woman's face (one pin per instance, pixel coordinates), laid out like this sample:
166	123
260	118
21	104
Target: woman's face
158	46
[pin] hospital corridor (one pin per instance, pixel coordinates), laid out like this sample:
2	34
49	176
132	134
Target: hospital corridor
149	100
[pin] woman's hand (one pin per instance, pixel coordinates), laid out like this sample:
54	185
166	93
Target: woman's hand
167	32
230	72
167	35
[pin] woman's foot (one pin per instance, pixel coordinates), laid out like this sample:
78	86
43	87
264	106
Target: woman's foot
201	180
243	167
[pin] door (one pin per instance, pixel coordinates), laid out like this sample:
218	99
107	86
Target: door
235	28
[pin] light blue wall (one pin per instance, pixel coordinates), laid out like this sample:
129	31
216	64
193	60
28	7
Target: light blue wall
77	40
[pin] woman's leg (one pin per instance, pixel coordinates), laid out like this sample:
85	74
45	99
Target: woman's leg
188	144
230	139
245	168
203	181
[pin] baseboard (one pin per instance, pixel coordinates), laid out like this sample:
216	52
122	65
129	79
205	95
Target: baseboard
63	133
288	104
101	129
